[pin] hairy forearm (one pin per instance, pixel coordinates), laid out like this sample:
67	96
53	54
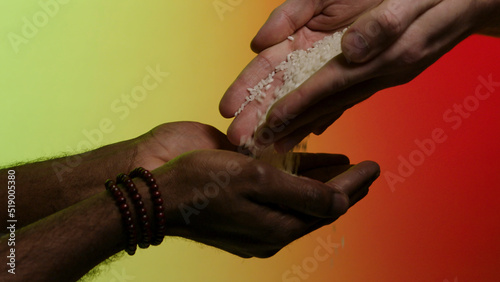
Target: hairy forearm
46	187
67	244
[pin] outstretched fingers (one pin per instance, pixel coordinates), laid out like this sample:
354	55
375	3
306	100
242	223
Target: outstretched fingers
314	198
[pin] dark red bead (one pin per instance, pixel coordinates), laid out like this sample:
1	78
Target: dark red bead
160	222
128	220
143	211
158	201
133	190
156	194
160	215
123	207
159	209
144	218
136	197
117	194
139	204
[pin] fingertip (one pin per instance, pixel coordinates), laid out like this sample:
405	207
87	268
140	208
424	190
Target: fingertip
226	104
370	168
343	159
358	177
256	45
224	110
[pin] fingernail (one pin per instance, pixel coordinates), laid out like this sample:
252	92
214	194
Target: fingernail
356	47
340	203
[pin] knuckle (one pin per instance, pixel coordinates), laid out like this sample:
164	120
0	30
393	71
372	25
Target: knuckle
318	199
412	55
315	200
259	173
287	15
390	23
336	187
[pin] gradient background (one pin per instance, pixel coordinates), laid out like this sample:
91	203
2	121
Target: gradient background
440	224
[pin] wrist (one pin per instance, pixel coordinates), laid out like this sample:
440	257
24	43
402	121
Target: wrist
140	202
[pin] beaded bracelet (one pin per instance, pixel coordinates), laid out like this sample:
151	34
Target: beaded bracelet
141	212
159	211
128	222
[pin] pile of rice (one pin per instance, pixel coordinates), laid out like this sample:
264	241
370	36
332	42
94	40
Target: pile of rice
298	67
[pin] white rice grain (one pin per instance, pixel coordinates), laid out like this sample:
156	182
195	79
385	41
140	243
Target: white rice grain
297	68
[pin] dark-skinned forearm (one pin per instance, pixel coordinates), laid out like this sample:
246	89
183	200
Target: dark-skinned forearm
43	188
66	245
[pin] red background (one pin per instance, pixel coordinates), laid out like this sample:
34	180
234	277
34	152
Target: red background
442	221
